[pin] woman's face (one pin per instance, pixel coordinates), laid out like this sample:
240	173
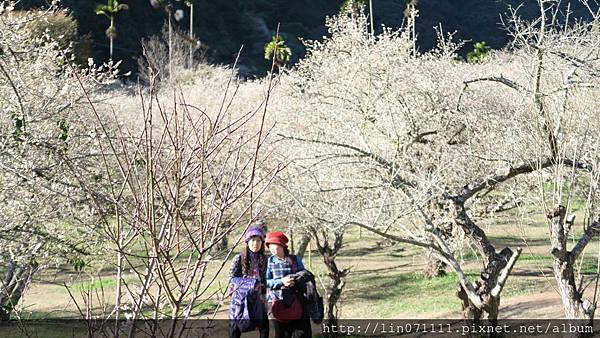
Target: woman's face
276	250
255	243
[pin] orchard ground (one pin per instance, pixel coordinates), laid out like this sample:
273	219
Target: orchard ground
385	280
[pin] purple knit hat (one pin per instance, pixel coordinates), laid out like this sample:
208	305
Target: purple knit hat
254	231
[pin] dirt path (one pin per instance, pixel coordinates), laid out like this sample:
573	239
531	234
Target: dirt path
541	305
544	305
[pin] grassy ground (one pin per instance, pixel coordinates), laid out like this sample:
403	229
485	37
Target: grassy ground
385	279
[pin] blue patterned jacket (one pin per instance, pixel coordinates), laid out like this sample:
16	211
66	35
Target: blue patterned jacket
277	269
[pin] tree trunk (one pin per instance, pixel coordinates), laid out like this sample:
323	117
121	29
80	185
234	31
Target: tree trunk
470	312
222	244
490	306
434	267
302	245
483	296
191	35
474	314
371	17
334	290
170	48
111	48
337	277
111	38
575	306
15	281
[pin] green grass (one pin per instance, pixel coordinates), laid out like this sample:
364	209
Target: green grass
470	256
39	315
413	293
518	286
206	306
534	258
589	263
588	266
405	293
96	284
577	202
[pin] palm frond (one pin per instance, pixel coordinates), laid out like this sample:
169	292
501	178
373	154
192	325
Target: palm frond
102	10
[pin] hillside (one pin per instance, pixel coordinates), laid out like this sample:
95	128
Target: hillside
224	26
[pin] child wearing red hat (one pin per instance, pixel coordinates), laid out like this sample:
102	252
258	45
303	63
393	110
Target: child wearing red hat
252	263
287	309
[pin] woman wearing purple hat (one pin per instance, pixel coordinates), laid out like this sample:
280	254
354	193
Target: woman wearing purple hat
252	263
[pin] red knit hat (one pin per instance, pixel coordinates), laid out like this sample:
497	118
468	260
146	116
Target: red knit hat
276	237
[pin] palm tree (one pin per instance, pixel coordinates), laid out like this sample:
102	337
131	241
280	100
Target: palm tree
190	39
277	51
352	6
167	7
410	6
411	14
190	4
371	17
111	8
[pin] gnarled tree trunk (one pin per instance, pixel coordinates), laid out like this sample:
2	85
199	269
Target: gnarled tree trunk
575	306
434	267
337	277
302	245
483	296
15	281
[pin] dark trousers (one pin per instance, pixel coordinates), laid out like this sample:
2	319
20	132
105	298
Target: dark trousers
299	328
263	331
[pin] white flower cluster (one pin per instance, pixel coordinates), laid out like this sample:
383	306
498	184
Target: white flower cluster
44	130
373	132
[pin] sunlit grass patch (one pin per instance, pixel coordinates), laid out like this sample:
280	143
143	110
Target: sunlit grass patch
392	294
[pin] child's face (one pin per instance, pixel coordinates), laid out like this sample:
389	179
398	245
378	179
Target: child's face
276	249
254	244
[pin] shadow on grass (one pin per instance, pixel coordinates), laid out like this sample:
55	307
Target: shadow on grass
41	315
532	273
356	252
405	293
201	308
588	266
404	284
391	268
530	306
512	241
412	293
